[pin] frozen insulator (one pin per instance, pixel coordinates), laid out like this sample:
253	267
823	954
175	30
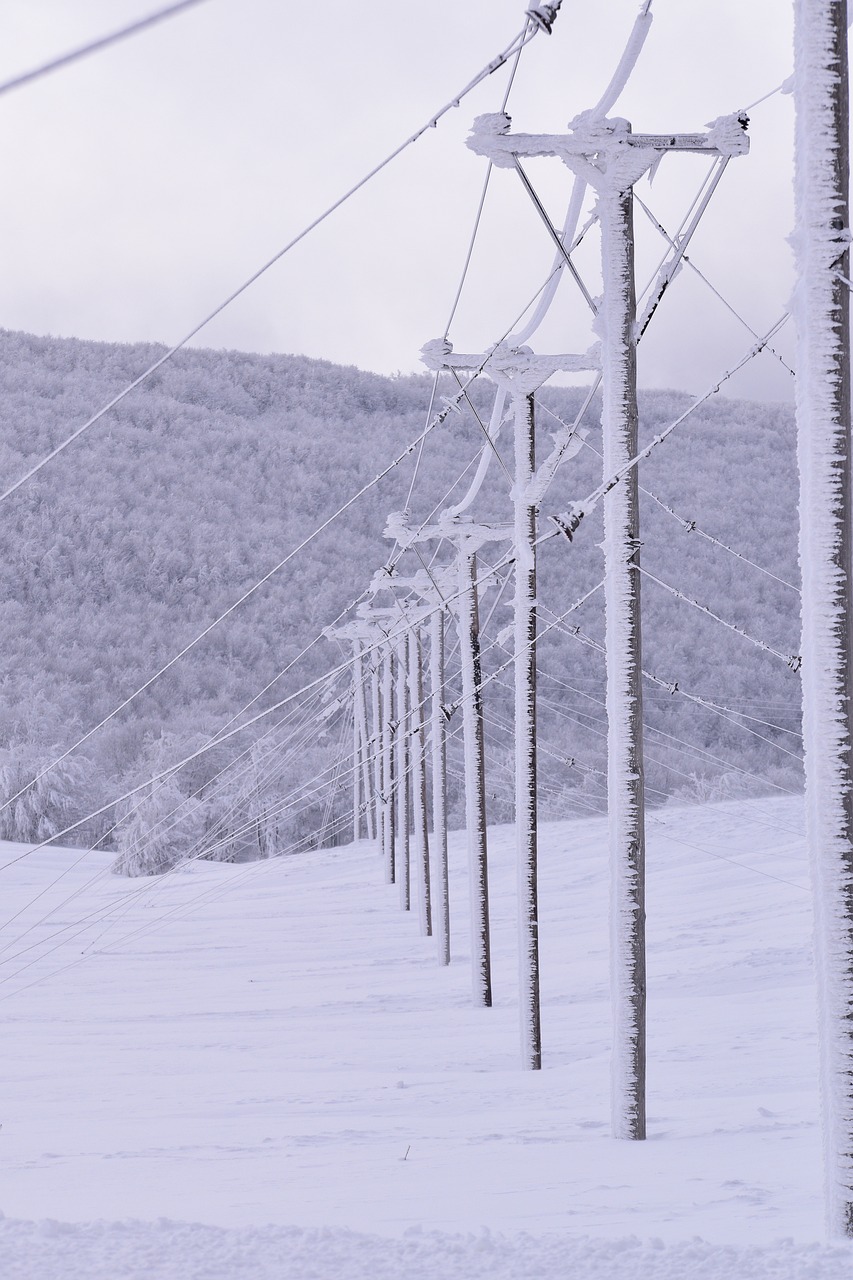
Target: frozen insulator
543	15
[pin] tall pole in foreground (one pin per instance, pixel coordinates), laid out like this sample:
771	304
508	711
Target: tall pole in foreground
823	420
625	791
525	732
609	156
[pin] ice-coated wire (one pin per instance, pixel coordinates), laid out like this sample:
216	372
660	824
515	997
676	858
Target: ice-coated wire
689	526
673	687
94	46
568	526
301	710
481	205
791	660
659	227
525	36
435	422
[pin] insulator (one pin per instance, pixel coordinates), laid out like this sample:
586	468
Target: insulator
543	15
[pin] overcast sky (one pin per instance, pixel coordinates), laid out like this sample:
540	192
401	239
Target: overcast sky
145	183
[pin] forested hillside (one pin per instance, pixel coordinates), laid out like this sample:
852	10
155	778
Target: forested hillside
165	512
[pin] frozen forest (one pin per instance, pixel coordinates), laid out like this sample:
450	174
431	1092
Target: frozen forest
156	522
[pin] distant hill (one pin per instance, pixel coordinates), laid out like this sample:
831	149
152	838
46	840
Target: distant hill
157	519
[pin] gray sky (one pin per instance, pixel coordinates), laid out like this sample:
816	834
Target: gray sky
143	184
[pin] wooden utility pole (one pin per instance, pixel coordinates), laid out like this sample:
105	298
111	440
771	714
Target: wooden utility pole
526	806
625	779
611	158
822	311
475	774
419	783
403	777
438	745
467	538
387	750
375	753
520	372
364	799
357	739
363	755
432	588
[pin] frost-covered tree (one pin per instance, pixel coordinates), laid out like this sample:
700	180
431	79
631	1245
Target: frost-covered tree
161	825
37	801
157	830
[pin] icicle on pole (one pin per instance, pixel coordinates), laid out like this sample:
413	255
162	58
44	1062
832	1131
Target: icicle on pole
822	311
625	794
362	759
403	781
387	739
525	732
356	742
375	752
475	776
420	828
438	744
606	154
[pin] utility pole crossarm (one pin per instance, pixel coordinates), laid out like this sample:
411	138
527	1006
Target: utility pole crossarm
596	147
513	368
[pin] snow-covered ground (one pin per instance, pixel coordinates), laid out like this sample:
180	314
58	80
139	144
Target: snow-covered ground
272	1051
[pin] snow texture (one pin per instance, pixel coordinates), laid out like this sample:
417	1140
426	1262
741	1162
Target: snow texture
168	1250
820	303
258	1048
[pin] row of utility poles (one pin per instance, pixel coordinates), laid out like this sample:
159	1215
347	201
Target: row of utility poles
610	158
390	744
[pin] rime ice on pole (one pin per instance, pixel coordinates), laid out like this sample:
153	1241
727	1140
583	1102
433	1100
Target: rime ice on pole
821	307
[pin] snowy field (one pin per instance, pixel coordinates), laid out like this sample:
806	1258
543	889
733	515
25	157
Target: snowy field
260	1072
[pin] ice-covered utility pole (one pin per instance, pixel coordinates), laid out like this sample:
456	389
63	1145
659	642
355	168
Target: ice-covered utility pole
419	782
438	748
475	768
435	590
363	776
406	620
387	751
356	746
822	310
374	750
372	627
363	756
468	538
611	159
519	373
403	775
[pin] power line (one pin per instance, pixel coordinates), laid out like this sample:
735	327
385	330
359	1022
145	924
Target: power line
94	46
527	34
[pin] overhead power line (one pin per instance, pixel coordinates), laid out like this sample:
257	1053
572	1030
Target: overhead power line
527	34
95	46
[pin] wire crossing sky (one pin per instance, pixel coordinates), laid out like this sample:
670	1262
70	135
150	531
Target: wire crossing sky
147	178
